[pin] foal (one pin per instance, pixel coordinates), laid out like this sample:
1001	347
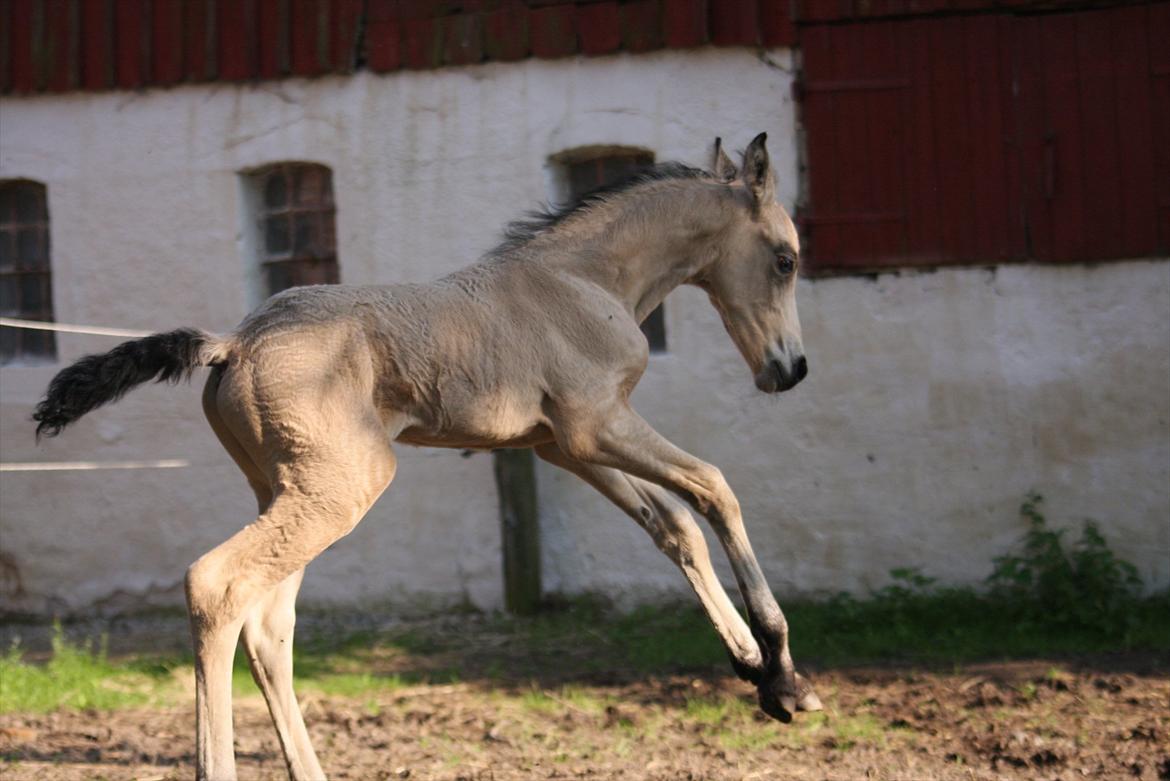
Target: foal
537	346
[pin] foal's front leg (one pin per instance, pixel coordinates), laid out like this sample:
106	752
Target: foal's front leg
668	521
621	439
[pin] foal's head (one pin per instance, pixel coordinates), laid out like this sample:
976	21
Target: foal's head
752	281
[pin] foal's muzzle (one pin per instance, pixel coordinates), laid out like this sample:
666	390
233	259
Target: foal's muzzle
779	374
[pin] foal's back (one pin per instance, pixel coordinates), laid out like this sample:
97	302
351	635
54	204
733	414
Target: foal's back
464	361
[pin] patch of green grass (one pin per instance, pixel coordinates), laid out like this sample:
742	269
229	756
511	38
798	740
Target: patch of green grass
78	677
537	700
350	684
716	711
863	728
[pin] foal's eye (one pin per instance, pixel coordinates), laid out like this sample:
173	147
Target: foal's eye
785	264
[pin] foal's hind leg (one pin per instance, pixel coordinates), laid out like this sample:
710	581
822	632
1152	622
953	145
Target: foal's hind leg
268	629
225	585
268	641
324	486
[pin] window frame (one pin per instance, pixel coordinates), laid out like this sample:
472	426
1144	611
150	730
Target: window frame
317	260
29	346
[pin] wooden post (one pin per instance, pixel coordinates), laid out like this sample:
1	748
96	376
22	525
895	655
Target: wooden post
519	529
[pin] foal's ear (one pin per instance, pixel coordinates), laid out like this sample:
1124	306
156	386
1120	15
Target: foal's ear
757	172
724	169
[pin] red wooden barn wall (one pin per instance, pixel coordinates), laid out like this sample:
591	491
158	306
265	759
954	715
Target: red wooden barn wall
988	137
56	45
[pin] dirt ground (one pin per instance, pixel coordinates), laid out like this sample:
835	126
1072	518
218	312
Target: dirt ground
1045	720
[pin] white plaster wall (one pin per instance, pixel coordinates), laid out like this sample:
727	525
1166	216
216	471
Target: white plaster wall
935	403
968	388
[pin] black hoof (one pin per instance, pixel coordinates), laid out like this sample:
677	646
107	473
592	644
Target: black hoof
780	708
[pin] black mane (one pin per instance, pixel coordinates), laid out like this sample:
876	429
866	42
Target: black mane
519	232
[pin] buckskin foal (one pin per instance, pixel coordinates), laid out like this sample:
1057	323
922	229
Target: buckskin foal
537	345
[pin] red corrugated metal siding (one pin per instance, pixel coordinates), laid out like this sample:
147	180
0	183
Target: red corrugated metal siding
99	44
97	25
597	26
816	11
684	23
198	40
1158	32
131	43
61	50
27	24
167	43
272	25
983	138
235	24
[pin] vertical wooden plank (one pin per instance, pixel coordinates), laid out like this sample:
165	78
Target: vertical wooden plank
166	22
272	33
304	31
551	31
1100	164
515	473
1016	235
1157	32
988	173
236	22
199	61
97	32
859	232
598	28
462	39
735	23
641	24
6	46
1035	154
130	30
383	36
63	45
345	18
27	43
1064	151
886	115
776	25
505	33
954	135
423	43
817	110
1134	107
923	229
684	23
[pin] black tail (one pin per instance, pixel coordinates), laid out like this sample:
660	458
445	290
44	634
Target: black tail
97	379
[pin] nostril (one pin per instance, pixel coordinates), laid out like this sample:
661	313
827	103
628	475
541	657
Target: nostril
801	368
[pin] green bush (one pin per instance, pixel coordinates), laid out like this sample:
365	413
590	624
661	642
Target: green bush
1085	586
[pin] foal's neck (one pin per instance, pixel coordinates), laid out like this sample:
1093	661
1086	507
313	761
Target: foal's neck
647	242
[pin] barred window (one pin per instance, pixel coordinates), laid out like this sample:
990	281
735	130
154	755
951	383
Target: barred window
586	175
297	235
26	279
